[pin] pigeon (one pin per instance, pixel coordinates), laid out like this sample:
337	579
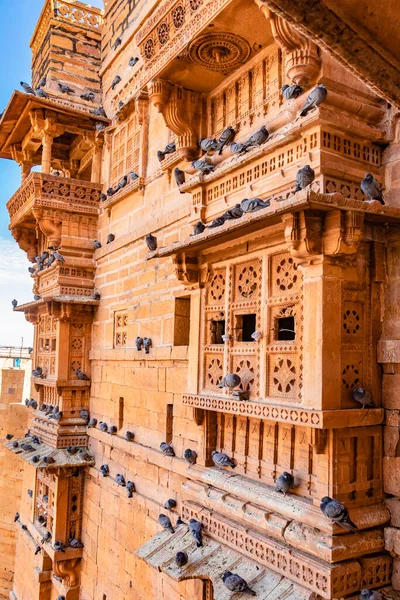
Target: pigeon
181	559
66	89
179	176
35	440
129	436
190	456
43	407
139	343
115	81
24	528
96	296
41	519
169	149
99	112
151	242
72	450
236	584
103	426
198	228
230	381
84	454
100	126
46	537
74	543
133	176
166	449
170	504
254	204
233	213
111	191
314	99
37	372
208	144
195	529
41	93
120	105
88	96
27	447
103	197
36	458
105	471
110	238
58	256
238	148
147	345
31	270
9	436
371	188
117	43
27	88
42	82
37	550
36	297
370	595
97	244
60	597
217	222
57	416
123	182
30	493
203	166
165	523
304	177
14	303
258	138
338	513
363	397
120	479
84	414
290	92
113	430
179	521
222	460
133	61
50	260
59	546
226	137
15	444
130	487
82	376
284	483
16	517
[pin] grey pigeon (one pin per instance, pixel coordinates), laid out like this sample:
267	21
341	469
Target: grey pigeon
36	297
82	376
35	440
230	381
208	144
100	126
233	213
117	43
59	546
133	61
139	343
103	426
27	88
217	222
38	372
181	559
238	148
15	444
37	550
9	436
27	447
254	204
166	449
284	483
290	92
50	260
16	517
236	584
147	345
151	242
46	537
99	112
105	471
113	430
120	479
31	270
198	228
84	414
96	296
179	176
97	244
370	595
165	523
60	597
14	303
337	512
304	177
222	460
41	519
72	450
226	137
195	528
103	197
371	188
133	175
42	82
88	96
33	404
129	436
363	397
130	488
123	182
258	138
74	543
66	89
170	504
110	238
24	528
314	99
41	93
30	493
179	521
57	416
58	257
111	191
203	166
169	149
43	407
115	81
190	456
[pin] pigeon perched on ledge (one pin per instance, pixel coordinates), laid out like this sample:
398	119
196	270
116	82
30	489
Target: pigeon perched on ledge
181	559
371	595
27	88
226	137
314	99
222	460
88	96
129	436
170	504
236	584
151	242
371	188
82	376
165	523
115	81
338	513
166	449
290	92
195	528
284	483
190	456
132	61
65	89
304	177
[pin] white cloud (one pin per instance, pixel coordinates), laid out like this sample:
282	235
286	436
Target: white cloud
15	282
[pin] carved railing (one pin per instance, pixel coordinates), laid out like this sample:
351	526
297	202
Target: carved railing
40	190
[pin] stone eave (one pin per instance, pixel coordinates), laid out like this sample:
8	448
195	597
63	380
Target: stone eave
61	299
15	122
62	458
252	222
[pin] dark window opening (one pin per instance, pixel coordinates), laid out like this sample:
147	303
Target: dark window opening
182	322
286	331
245	327
121	413
217	330
169	423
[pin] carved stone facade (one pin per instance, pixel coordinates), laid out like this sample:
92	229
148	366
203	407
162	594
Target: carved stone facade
297	295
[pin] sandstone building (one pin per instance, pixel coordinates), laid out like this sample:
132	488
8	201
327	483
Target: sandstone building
313	274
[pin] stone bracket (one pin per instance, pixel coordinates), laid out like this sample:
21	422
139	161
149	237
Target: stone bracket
68	571
26	240
187	270
50	225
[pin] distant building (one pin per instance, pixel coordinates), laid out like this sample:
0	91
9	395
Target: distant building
17	357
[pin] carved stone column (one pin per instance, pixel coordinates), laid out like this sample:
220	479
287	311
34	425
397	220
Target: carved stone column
47	141
97	160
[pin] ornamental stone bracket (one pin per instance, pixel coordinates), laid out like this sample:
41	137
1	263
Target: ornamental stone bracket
187	270
26	240
68	571
50	225
182	112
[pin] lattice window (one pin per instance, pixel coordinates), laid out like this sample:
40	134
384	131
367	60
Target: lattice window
120	328
45	498
47	344
125	149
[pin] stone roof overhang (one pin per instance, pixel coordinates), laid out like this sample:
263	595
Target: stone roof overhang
15	122
64	299
62	458
211	561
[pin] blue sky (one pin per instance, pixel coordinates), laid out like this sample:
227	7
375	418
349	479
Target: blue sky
16	27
